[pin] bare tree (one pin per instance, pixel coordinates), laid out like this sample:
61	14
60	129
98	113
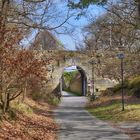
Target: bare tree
117	28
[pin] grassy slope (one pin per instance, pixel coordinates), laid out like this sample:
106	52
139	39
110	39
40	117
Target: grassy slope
108	107
113	112
73	93
33	120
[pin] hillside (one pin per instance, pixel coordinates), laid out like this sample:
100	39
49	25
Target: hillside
108	106
28	121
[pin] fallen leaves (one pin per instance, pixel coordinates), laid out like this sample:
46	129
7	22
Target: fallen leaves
38	126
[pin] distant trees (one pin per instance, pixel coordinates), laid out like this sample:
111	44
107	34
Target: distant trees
118	27
39	14
81	4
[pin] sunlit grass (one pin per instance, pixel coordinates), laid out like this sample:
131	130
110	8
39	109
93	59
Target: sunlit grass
113	112
22	107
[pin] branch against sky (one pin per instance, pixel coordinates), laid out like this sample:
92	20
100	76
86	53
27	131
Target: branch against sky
107	4
81	4
116	28
34	1
120	21
36	14
46	14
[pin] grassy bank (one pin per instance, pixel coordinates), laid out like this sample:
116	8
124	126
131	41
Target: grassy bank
29	120
113	113
74	93
108	106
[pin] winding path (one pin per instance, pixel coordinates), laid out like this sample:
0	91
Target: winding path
77	124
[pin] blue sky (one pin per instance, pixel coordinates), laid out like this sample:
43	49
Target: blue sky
70	69
92	13
69	41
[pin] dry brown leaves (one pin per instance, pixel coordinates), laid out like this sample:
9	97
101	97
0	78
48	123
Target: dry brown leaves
107	100
38	126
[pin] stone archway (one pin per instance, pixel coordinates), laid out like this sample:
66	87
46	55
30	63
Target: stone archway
67	58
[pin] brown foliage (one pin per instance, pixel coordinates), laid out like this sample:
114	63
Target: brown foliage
38	125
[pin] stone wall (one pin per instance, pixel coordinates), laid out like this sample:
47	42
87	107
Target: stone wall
76	84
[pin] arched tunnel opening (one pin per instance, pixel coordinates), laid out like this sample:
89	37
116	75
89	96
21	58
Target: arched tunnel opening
83	80
74	80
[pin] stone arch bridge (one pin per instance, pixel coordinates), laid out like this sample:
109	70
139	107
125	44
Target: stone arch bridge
64	59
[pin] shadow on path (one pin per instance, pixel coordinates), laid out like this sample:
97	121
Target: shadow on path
77	124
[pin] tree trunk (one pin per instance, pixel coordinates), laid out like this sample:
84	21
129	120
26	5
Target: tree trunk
24	92
3	17
5	102
139	9
8	101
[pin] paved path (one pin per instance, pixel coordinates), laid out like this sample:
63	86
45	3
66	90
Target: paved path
77	124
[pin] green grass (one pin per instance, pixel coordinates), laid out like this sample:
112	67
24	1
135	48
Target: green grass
132	86
109	108
76	93
118	87
69	76
22	107
128	84
73	93
53	101
49	98
113	112
134	83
